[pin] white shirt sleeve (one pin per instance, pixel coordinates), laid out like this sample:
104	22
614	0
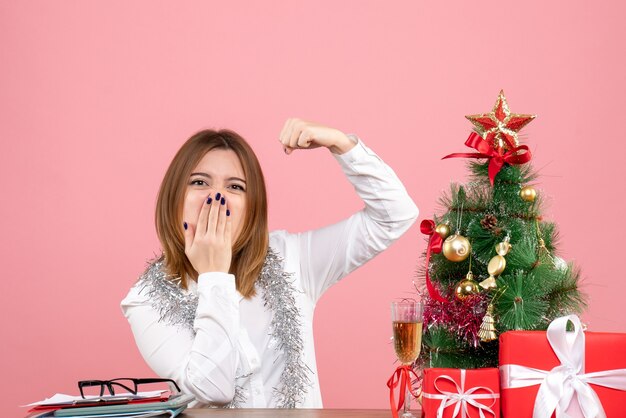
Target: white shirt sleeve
330	253
203	365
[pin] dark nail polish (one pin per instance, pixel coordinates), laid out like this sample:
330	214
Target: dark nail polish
223	201
217	196
227	212
185	225
209	200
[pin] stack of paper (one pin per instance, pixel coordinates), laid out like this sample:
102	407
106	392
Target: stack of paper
143	404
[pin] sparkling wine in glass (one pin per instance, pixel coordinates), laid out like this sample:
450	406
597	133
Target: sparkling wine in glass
407	337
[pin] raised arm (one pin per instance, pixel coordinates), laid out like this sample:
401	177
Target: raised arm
330	253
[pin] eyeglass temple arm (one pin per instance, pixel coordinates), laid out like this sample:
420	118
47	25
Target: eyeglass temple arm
156	380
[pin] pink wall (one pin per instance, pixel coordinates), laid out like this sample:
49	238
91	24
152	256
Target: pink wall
95	97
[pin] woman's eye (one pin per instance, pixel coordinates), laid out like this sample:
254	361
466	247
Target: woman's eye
237	187
198	183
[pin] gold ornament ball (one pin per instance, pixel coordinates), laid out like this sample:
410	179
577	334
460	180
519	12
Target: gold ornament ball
456	248
443	230
528	193
465	288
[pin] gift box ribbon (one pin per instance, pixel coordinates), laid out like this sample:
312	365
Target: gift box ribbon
462	398
402	378
558	386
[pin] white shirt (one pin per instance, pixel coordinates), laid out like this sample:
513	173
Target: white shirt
231	333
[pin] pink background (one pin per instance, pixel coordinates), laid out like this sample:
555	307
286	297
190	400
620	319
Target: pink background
97	96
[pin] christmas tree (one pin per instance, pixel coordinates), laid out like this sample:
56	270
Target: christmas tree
490	262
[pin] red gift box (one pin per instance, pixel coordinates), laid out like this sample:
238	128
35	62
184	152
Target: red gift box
455	390
596	352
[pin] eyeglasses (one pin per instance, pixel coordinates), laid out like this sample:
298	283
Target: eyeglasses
128	384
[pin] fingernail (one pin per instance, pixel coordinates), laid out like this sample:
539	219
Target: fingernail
227	212
185	225
223	201
209	200
217	196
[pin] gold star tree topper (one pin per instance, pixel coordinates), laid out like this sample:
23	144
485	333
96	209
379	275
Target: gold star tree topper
500	127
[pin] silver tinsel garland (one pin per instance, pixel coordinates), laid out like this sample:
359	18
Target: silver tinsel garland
278	295
178	308
166	296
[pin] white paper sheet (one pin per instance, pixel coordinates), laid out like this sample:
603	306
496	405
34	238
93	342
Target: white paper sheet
61	398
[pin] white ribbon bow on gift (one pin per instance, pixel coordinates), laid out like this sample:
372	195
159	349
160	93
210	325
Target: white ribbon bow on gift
559	385
462	398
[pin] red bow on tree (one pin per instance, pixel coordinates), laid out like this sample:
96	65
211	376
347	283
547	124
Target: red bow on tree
435	244
497	158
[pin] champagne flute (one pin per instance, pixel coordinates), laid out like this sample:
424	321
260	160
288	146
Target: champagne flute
407	338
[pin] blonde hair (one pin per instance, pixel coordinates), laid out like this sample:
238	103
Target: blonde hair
250	248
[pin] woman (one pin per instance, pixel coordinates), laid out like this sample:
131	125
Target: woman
227	311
